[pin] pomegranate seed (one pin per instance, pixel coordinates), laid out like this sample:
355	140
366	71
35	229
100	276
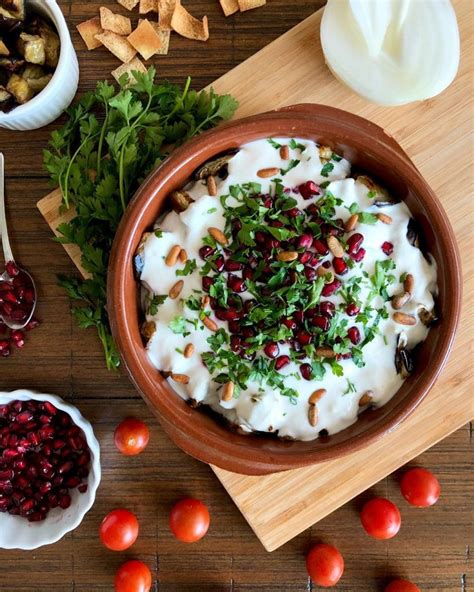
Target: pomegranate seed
10	453
272	243
352	309
358	255
206	251
309	189
32	324
354	335
299	317
36	517
260	237
354	242
247	274
305	241
45	487
281	361
207	282
290	323
248	332
320	322
4	503
218	263
320	246
65	501
235	283
49	408
234	327
14	510
294	213
327	308
46	432
12	268
310	274
235	342
24	416
27	506
82	488
17	497
387	248
305	257
306	371
271	350
231	265
303	337
340	266
331	288
7	474
227	315
72	482
83	459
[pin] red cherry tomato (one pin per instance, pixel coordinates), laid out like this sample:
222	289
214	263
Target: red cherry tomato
380	518
325	565
189	520
119	530
131	436
402	586
133	576
420	487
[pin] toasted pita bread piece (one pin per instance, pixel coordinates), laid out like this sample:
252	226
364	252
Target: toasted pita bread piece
188	26
128	4
4	51
134	65
164	36
145	40
165	13
88	31
249	4
229	6
148	6
116	23
117	45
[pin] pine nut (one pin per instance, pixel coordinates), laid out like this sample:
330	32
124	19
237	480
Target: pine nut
385	218
218	236
399	300
188	350
409	283
183	256
366	398
322	271
205	301
210	324
269	172
176	289
284	152
181	378
313	415
172	256
227	391
325	352
287	256
335	246
351	223
316	396
211	185
404	319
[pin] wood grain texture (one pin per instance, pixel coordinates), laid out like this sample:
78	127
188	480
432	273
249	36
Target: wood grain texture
433	545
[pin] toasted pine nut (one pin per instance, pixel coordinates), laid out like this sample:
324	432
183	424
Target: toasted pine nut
227	391
218	236
335	246
176	289
188	350
409	283
314	397
181	378
205	301
404	319
172	256
325	352
211	185
313	415
351	223
183	256
366	398
269	172
325	153
399	300
284	152
210	324
287	256
322	271
385	218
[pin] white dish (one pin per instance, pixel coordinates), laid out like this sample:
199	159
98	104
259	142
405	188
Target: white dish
59	93
18	533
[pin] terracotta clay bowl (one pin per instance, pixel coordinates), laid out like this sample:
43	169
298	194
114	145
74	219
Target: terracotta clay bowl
368	148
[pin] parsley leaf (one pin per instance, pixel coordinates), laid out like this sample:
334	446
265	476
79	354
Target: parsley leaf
178	326
294	145
293	163
327	168
189	267
273	143
155	303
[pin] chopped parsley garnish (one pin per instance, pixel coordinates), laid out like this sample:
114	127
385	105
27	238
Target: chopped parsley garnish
273	143
371	194
179	326
336	157
350	387
155	302
327	168
294	145
158	233
293	163
212	210
189	267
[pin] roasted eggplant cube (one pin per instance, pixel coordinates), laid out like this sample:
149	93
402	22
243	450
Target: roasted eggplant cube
4	51
51	44
36	77
12	64
14	9
32	48
19	89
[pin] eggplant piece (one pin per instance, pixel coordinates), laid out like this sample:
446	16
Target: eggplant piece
4	51
214	167
36	77
427	317
51	40
6	100
382	197
180	200
12	64
14	9
403	357
138	259
148	329
32	48
19	88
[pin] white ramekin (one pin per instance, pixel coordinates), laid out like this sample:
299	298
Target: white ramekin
18	533
48	105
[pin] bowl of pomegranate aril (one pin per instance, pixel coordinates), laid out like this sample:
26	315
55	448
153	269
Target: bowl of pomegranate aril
284	289
49	469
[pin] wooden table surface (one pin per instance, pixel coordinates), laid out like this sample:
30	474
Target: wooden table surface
432	547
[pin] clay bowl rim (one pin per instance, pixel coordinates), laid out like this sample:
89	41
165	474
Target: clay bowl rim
185	430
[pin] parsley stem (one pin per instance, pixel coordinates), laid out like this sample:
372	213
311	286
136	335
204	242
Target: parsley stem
68	170
101	139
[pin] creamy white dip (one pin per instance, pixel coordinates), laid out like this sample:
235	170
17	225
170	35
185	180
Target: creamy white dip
266	409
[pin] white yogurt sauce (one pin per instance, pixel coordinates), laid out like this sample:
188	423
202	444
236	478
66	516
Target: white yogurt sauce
252	410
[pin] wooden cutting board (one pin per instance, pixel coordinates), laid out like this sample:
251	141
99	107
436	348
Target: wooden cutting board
436	135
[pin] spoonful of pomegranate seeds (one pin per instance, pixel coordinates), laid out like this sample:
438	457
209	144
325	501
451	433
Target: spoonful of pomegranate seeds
17	288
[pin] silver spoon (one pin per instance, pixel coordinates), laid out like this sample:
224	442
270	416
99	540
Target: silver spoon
17	288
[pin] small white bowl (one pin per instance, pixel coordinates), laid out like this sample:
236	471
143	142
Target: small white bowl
16	532
48	105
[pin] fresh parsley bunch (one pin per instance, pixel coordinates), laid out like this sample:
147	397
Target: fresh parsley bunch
109	144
